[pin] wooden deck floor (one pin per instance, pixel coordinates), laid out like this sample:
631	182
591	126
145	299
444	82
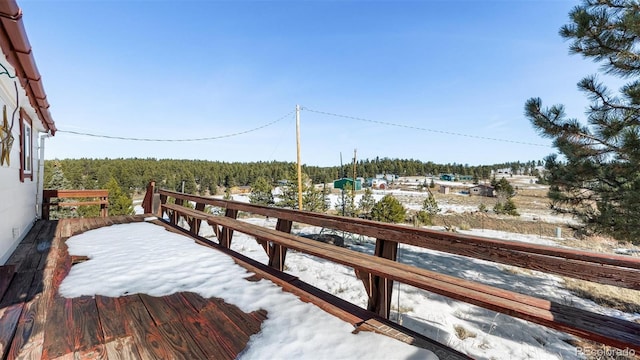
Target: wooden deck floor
37	323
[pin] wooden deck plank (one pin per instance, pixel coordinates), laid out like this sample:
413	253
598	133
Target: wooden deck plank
167	319
18	290
234	338
98	352
6	275
28	339
9	317
58	337
197	301
122	349
211	342
37	284
31	261
160	311
151	344
246	323
86	324
181	305
113	324
177	337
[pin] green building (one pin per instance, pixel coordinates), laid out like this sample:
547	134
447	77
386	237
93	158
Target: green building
347	184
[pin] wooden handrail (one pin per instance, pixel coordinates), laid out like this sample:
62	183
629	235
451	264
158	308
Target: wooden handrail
607	330
101	197
609	269
378	271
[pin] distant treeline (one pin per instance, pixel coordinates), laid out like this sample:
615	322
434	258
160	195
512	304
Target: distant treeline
201	176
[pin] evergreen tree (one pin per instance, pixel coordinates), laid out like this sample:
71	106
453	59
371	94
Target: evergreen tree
314	199
119	202
504	188
367	202
227	194
598	179
388	209
261	192
346	203
289	189
58	181
429	209
430	205
505	204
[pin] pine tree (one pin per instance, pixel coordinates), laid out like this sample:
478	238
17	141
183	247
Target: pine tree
227	194
346	203
598	177
388	209
429	209
367	202
59	182
119	202
261	192
314	199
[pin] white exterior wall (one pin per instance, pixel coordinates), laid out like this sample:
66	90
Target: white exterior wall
17	199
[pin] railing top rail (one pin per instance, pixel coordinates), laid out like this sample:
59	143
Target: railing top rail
55	193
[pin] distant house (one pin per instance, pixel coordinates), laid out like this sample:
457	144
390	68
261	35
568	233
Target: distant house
445	189
482	190
241	189
347	184
379	184
388	177
448	177
25	116
464	177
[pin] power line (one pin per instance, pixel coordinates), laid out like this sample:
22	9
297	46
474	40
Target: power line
176	140
422	129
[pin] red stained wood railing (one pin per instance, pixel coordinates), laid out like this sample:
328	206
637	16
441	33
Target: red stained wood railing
379	270
87	198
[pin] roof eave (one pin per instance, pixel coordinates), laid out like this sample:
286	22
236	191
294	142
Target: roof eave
17	49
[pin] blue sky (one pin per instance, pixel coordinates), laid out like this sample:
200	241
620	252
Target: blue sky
193	69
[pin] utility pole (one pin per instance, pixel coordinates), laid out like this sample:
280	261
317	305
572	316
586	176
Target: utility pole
299	163
353	198
343	177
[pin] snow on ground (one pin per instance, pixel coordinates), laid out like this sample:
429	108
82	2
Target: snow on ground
168	263
497	336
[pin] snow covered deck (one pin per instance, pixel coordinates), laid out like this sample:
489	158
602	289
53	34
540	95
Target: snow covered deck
46	312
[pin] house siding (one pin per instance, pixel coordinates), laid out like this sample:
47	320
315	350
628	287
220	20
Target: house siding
18	199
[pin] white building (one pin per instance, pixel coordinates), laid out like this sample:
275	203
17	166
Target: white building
25	122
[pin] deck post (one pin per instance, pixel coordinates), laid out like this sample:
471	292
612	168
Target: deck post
277	253
163	200
225	236
104	206
147	203
378	288
194	224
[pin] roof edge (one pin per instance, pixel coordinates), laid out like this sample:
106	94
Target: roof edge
16	47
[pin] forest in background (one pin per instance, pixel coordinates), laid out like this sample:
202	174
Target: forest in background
207	177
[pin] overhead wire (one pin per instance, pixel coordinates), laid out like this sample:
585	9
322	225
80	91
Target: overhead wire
177	140
422	128
386	123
